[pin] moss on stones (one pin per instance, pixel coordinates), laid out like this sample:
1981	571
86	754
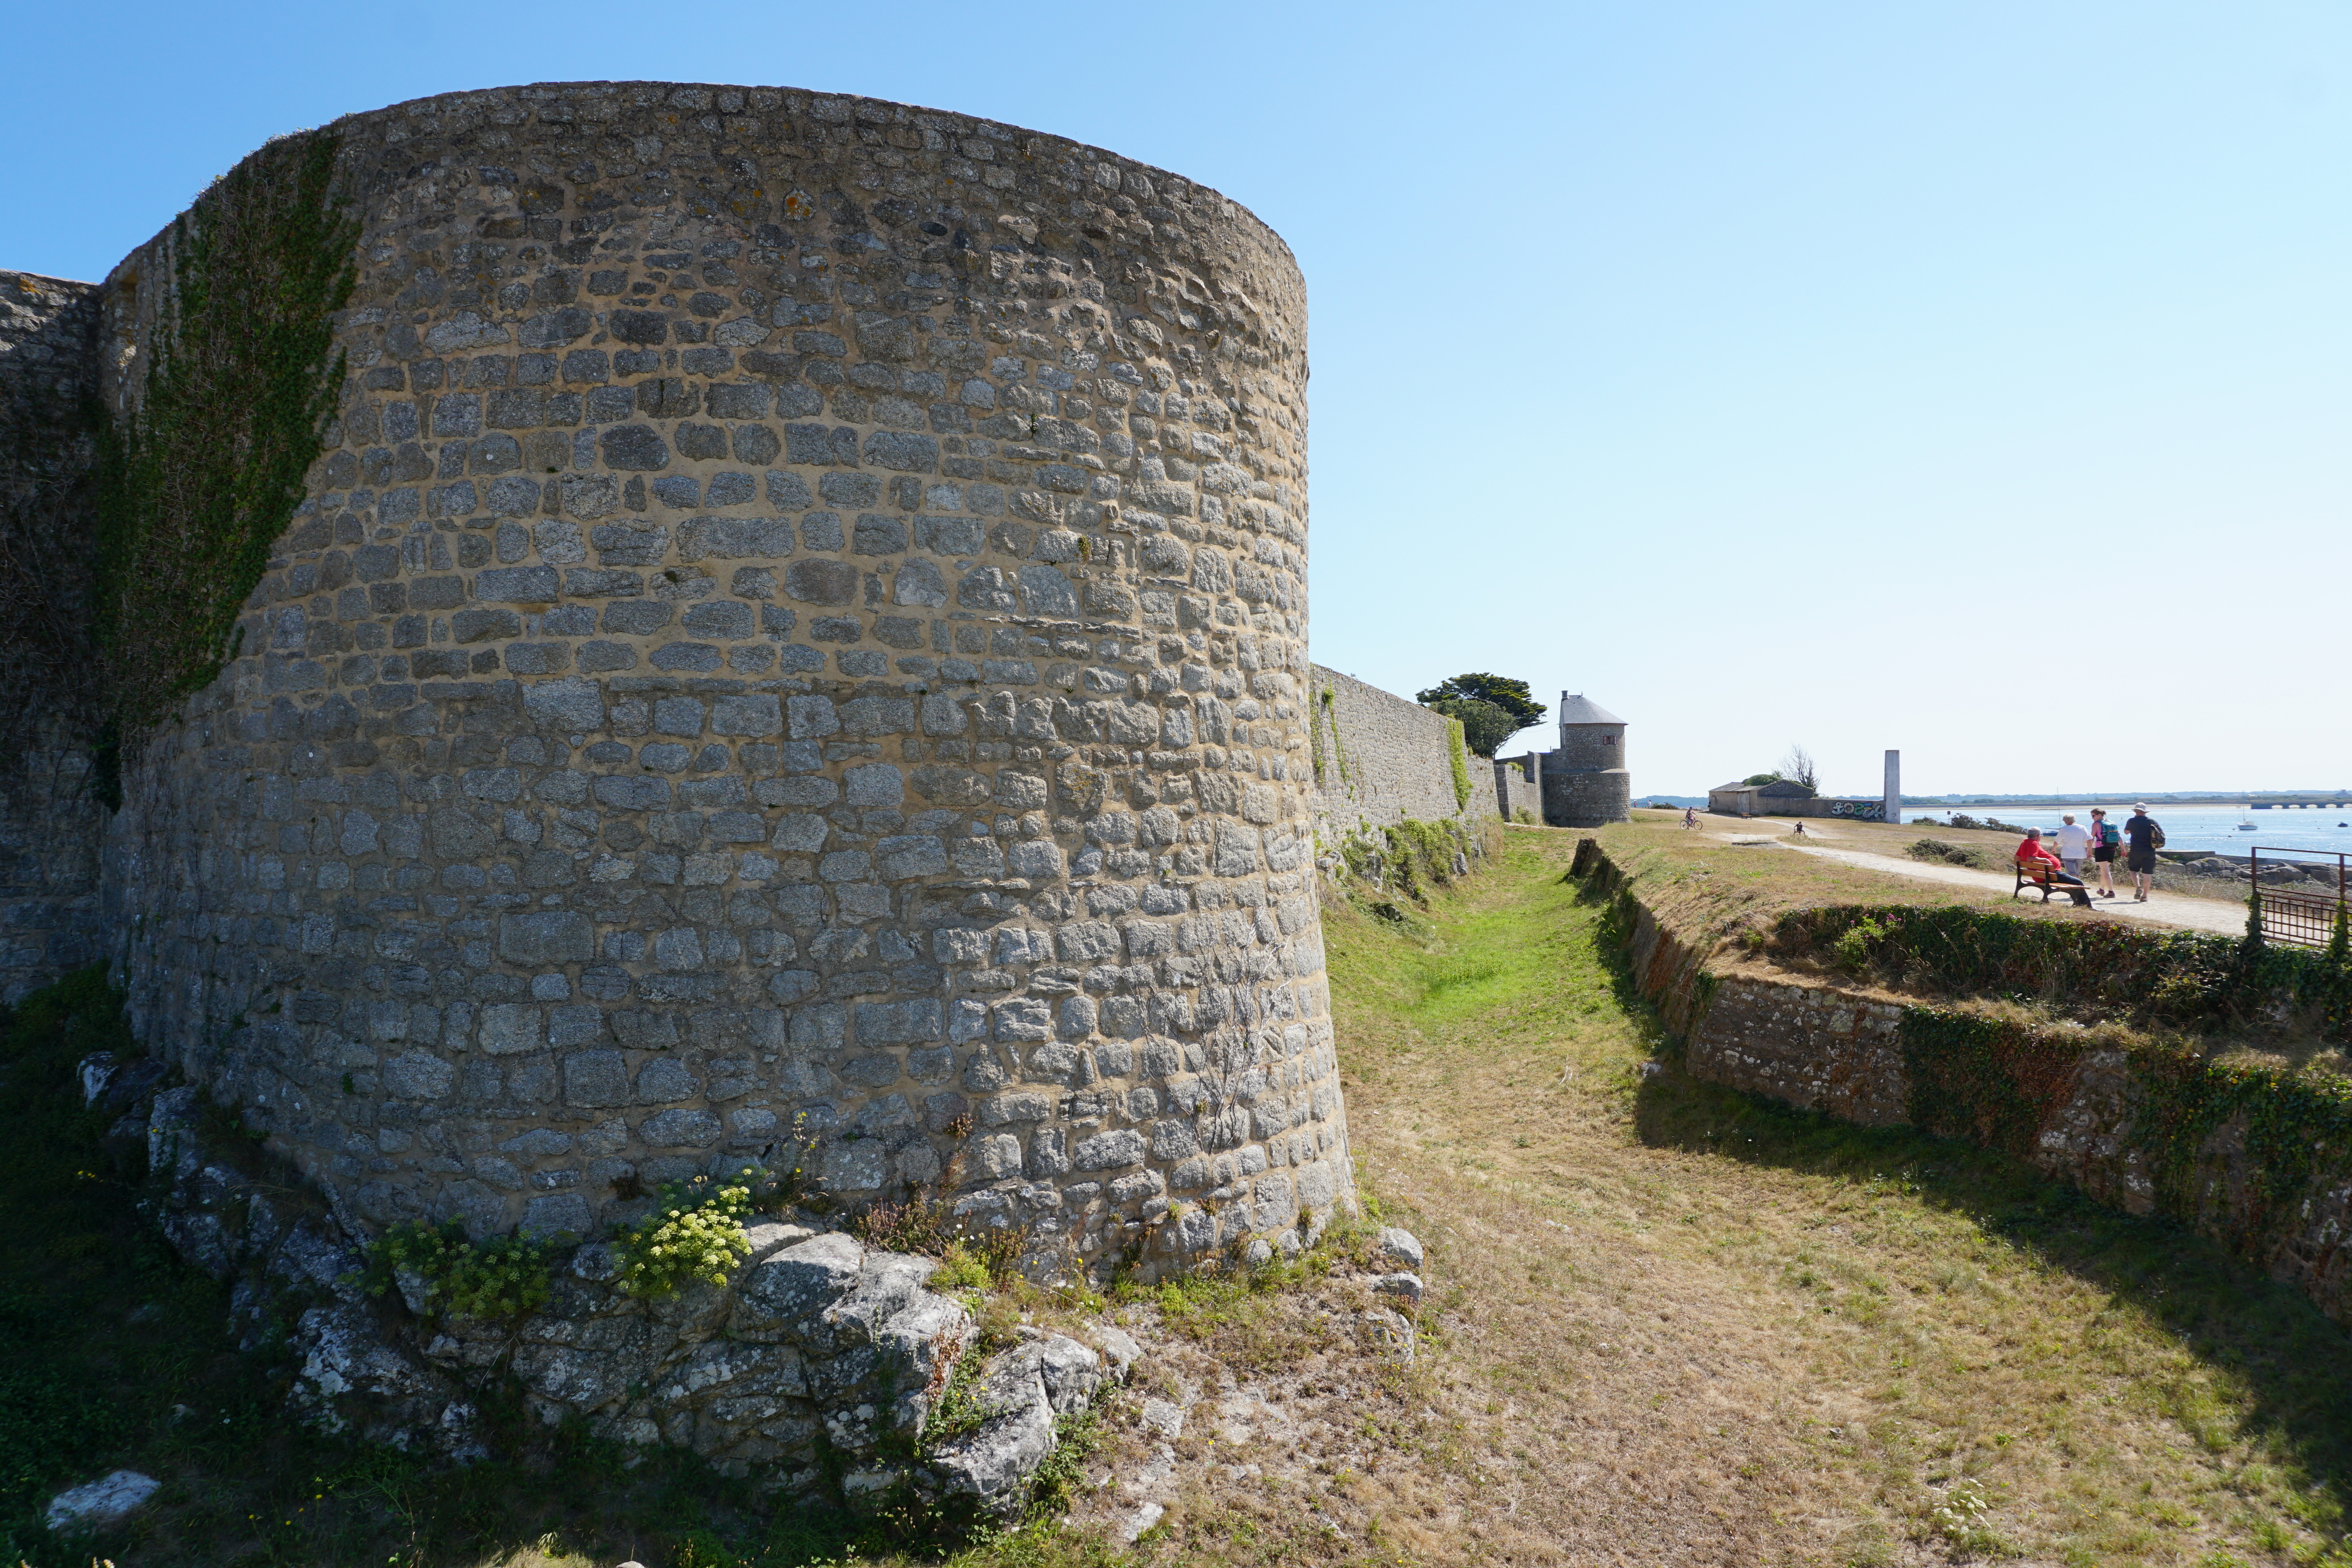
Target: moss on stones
200	472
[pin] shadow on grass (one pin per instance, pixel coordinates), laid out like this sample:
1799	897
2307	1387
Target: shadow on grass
114	1354
2288	1359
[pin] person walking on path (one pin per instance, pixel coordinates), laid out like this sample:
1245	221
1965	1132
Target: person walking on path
2074	843
2038	861
2106	842
2146	837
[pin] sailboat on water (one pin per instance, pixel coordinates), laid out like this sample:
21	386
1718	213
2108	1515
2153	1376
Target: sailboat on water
2246	820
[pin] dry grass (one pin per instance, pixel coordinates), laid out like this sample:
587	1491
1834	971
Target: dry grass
1670	1325
1662	831
1666	1325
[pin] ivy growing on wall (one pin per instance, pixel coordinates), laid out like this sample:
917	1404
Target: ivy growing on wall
1453	745
199	471
1411	856
1329	715
1999	1083
1989	1081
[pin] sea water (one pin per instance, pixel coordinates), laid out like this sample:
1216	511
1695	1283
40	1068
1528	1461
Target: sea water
2297	835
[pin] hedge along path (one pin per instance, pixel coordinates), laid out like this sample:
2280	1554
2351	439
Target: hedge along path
2167	909
201	469
1671	1323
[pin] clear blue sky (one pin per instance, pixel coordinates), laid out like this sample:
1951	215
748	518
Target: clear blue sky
1970	379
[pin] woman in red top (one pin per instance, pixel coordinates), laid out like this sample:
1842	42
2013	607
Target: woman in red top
2043	866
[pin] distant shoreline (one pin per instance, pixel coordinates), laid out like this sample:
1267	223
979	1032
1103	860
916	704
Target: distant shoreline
2267	799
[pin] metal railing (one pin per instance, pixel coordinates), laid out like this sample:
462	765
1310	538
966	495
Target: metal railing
2303	913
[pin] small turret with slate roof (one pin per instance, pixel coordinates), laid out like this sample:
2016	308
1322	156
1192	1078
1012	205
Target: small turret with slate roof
1584	783
1591	736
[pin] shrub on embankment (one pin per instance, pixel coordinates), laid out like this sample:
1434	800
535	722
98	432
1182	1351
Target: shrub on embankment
2185	979
1409	857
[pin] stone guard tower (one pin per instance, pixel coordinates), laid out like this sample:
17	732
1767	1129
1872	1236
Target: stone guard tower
799	621
1585	782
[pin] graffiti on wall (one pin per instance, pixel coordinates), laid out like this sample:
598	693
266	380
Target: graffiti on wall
1858	811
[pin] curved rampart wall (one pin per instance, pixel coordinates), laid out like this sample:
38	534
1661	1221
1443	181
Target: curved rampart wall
1587	799
803	615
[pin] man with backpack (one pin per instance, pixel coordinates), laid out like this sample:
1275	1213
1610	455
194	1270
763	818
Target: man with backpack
2146	838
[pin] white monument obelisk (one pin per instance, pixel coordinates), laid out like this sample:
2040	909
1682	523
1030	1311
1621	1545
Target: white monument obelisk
1894	787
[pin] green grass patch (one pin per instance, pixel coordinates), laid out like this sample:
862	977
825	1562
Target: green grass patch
2145	1386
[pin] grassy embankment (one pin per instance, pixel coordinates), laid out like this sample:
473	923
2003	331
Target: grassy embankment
1667	1324
1743	1334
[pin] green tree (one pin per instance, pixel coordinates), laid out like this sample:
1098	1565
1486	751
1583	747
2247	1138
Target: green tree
1512	696
1485	726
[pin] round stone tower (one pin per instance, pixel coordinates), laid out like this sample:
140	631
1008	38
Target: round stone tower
1585	781
799	635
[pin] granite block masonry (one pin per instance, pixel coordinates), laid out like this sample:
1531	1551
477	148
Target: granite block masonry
1384	759
50	825
799	627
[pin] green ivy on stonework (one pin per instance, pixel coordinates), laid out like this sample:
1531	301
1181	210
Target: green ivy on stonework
1339	753
196	480
1409	856
1453	748
2185	978
1997	1084
2298	1126
1989	1081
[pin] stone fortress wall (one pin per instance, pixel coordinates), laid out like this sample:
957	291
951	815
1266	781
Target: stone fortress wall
801	620
1515	790
1383	759
49	915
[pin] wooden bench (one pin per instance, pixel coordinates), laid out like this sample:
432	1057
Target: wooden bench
2042	876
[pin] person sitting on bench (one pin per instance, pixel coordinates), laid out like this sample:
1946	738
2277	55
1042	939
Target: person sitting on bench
2037	867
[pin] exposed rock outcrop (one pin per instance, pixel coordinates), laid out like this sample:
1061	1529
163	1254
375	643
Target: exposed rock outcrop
818	1364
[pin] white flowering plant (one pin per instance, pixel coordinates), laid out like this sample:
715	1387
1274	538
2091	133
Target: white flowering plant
695	1233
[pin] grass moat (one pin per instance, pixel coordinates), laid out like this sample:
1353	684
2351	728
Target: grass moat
1665	1323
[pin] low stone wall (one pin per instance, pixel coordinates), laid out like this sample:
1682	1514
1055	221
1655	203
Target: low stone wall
1515	792
1380	761
1841	1051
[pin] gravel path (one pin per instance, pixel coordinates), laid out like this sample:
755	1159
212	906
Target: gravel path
2161	908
